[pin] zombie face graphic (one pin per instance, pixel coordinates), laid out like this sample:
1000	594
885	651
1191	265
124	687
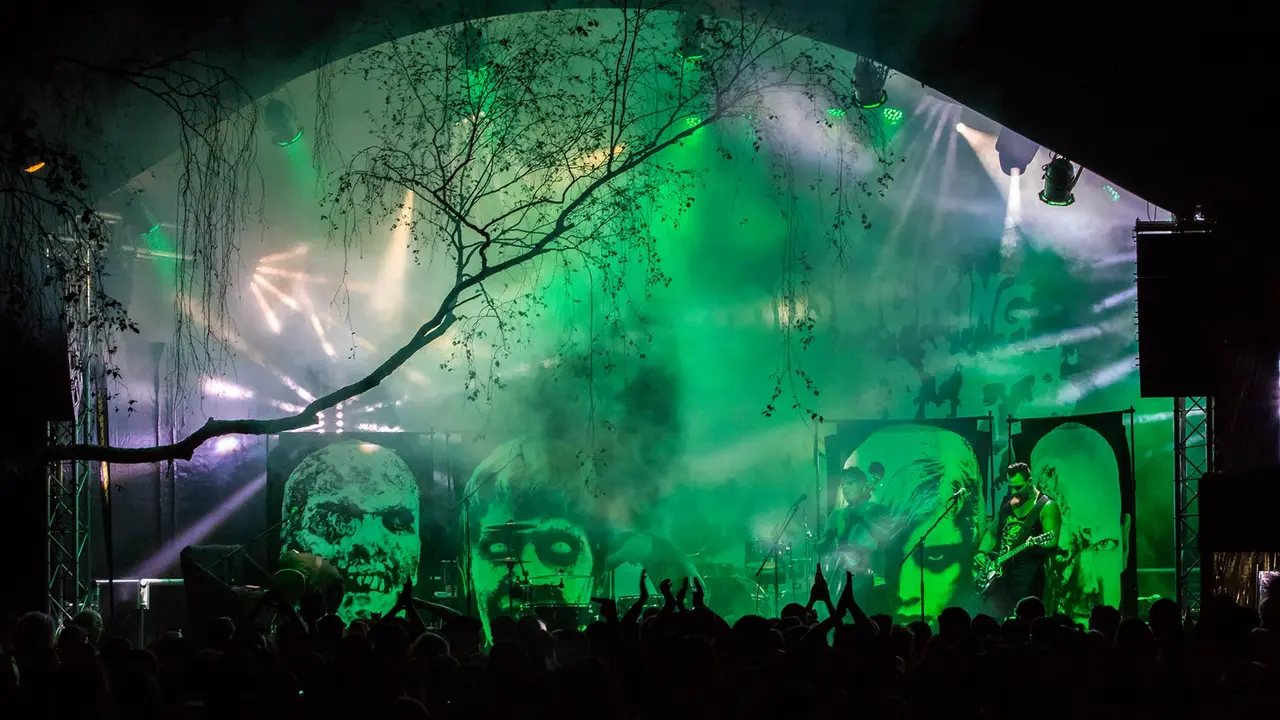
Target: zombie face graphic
923	467
356	504
542	488
1077	467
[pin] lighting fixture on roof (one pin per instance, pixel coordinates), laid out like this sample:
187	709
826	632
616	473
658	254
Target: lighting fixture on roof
470	46
138	218
692	30
280	122
891	115
868	83
1015	152
1060	178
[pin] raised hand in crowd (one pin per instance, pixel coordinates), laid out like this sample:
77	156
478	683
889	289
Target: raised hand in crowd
637	608
699	594
682	594
608	609
820	593
668	597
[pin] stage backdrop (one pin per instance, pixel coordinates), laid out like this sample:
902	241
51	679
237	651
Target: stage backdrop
1083	462
925	463
380	506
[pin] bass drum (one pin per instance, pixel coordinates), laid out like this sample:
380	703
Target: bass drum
733	597
565	617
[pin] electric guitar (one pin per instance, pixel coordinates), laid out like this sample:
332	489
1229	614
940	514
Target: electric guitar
986	573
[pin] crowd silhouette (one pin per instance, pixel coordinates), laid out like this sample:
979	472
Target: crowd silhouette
676	659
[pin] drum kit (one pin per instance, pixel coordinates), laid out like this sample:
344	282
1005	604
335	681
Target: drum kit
732	591
538	595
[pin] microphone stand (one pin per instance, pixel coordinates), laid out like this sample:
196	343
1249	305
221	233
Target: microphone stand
238	550
919	546
773	551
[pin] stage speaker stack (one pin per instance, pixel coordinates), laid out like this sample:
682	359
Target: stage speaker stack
220	581
1238	534
1207	327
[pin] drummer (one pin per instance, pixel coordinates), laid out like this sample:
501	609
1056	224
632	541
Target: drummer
302	576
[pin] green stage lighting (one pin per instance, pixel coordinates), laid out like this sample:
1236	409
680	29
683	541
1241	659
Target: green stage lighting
892	116
837	112
469	45
1060	178
281	124
692	30
137	217
868	83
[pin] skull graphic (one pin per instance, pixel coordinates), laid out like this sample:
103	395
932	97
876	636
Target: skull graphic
356	504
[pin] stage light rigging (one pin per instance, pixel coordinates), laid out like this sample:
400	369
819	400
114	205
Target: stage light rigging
281	123
137	217
868	83
469	45
1060	178
692	29
1015	152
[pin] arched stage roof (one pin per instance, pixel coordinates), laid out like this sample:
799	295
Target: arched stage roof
1155	98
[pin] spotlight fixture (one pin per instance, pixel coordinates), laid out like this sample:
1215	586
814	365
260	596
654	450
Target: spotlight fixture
137	217
280	122
1015	152
692	30
469	45
1060	178
892	116
868	83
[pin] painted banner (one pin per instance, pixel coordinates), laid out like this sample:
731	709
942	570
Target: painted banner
921	465
1083	463
377	506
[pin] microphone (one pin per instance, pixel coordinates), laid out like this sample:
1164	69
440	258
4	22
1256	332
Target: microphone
960	494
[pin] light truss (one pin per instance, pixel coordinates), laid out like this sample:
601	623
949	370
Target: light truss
69	580
70	484
1193	458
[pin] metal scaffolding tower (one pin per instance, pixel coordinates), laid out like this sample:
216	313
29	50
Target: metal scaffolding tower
70	579
1193	458
70	484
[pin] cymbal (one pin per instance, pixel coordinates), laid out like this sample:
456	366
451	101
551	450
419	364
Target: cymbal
560	577
510	527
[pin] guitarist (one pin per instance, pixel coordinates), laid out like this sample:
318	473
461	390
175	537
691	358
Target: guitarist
1025	514
855	534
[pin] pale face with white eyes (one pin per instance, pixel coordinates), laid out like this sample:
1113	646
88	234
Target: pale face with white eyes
1077	468
923	467
555	551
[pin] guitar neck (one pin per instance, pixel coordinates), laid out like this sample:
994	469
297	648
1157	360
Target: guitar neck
1012	553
